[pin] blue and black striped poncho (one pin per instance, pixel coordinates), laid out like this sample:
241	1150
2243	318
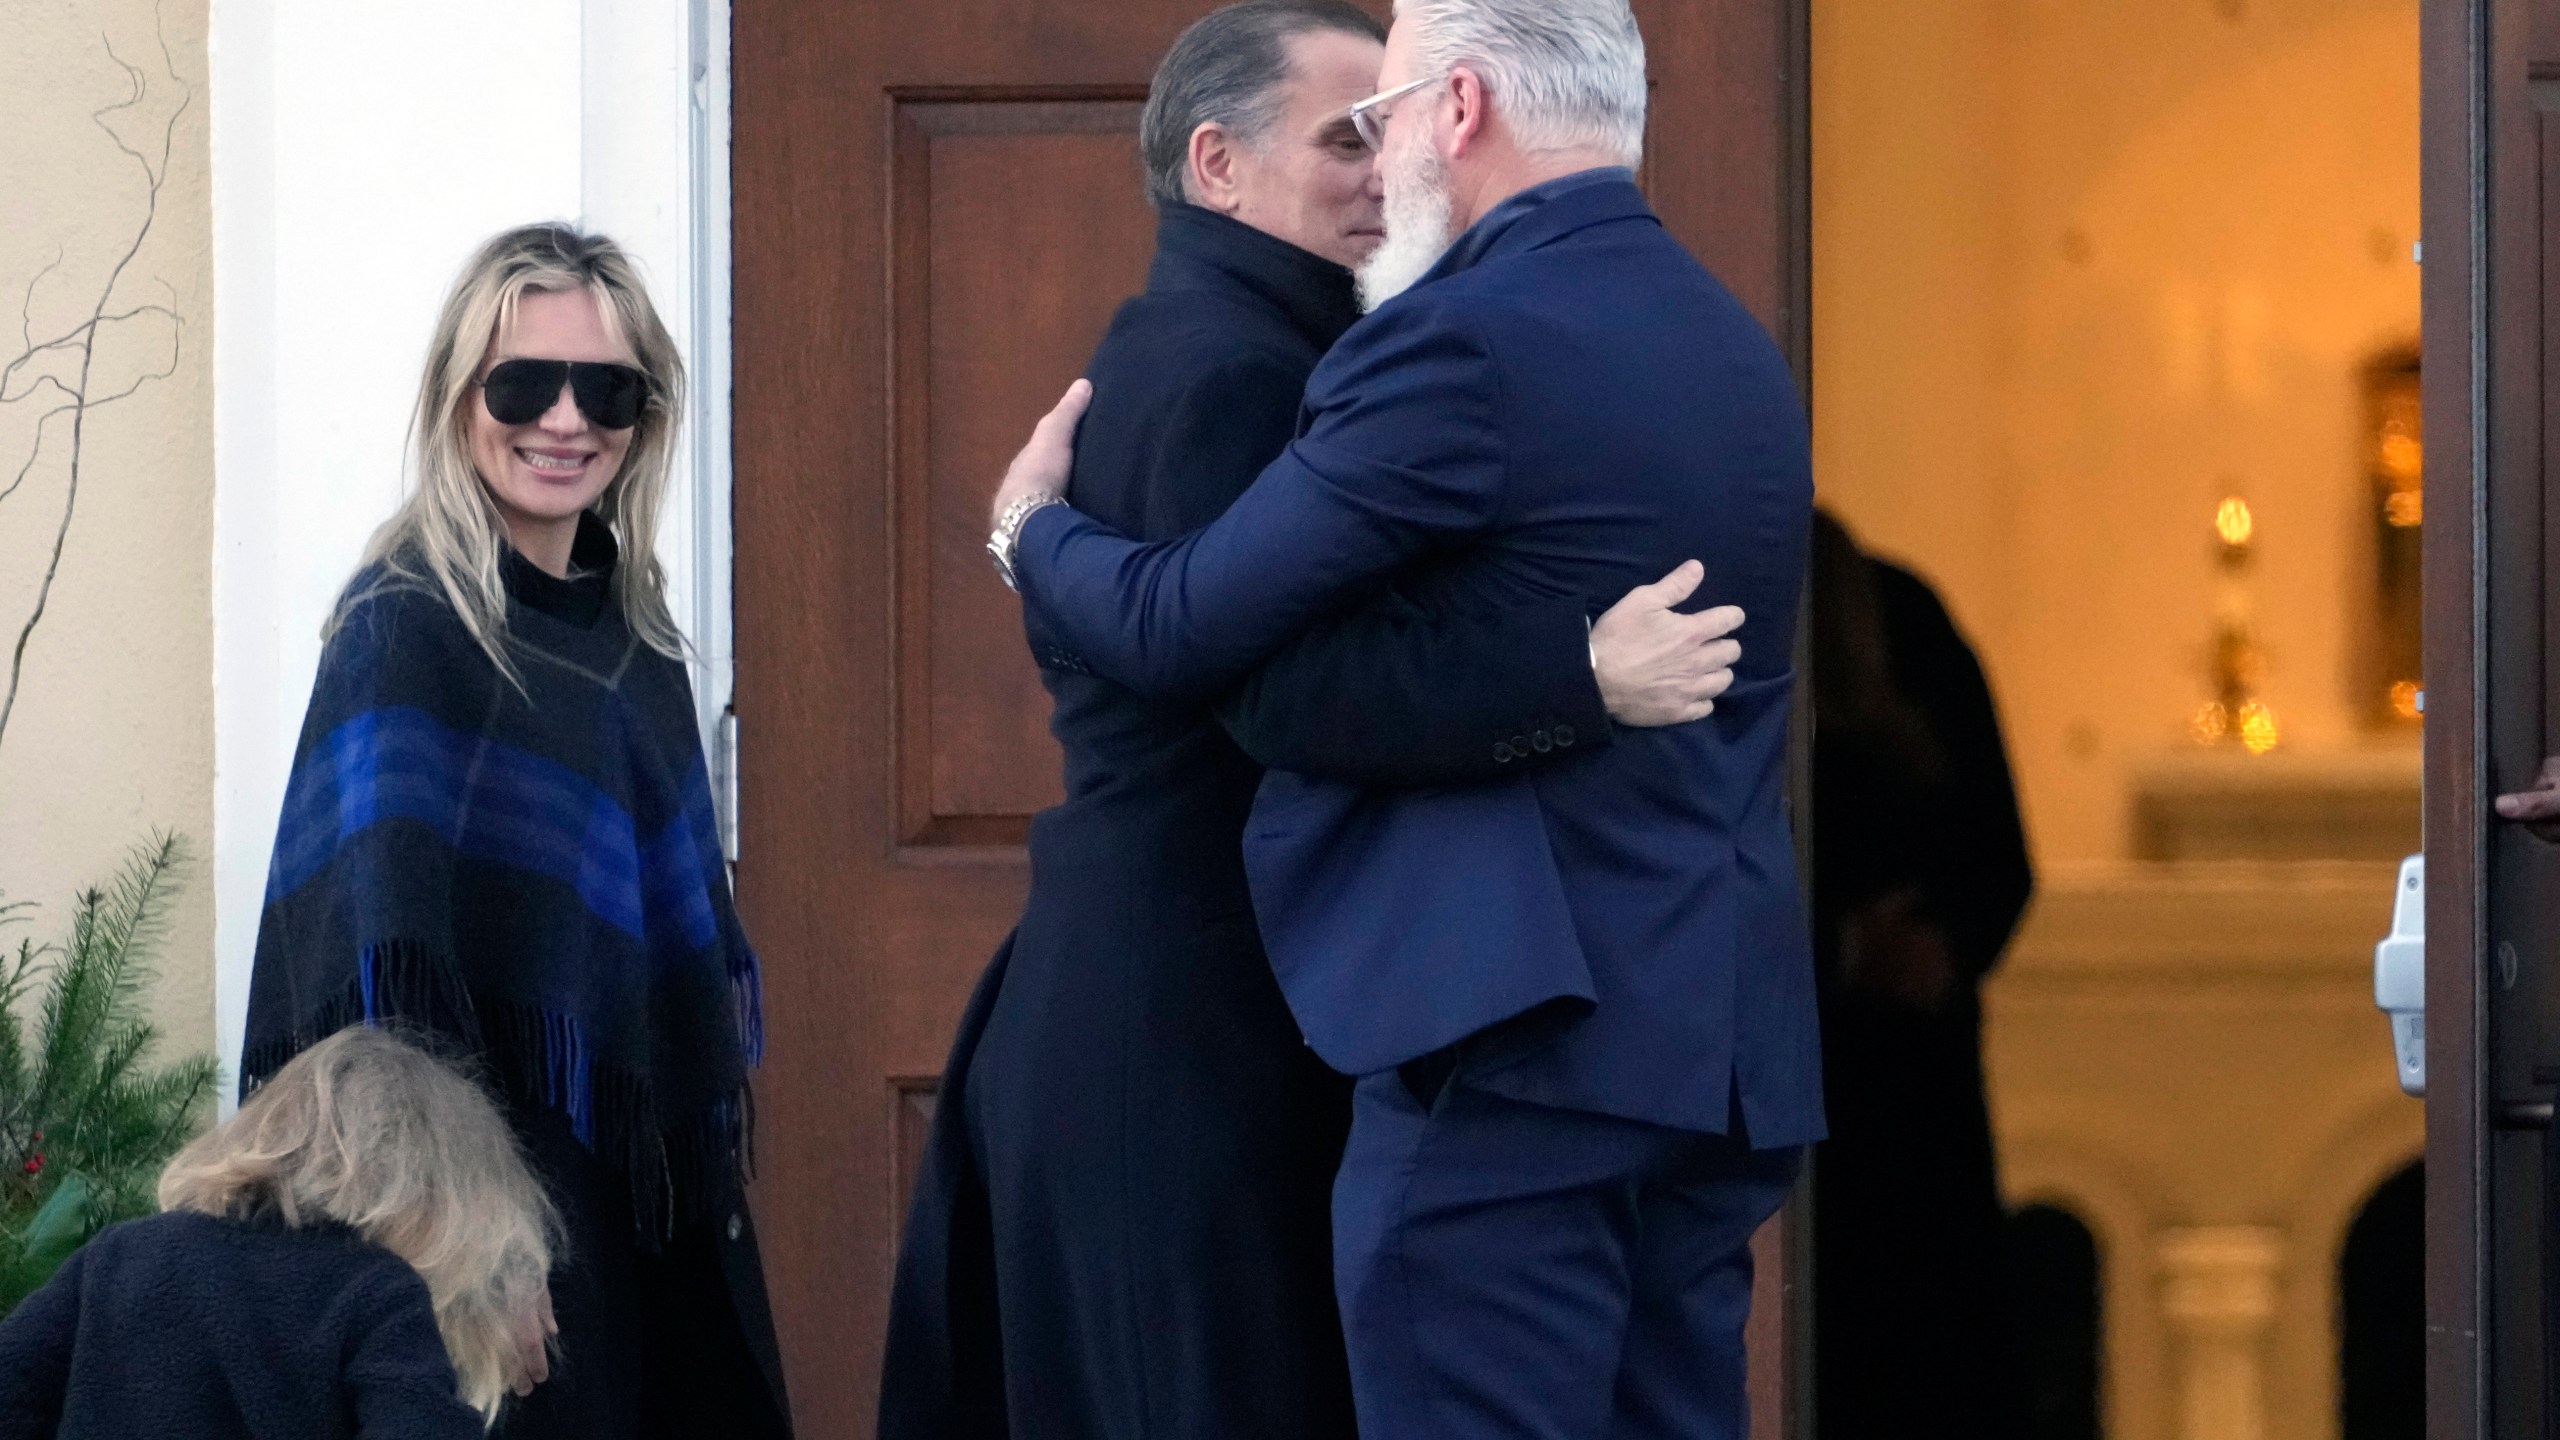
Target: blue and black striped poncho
532	873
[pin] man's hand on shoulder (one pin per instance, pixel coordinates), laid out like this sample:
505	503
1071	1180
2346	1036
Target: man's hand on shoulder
1042	466
1657	666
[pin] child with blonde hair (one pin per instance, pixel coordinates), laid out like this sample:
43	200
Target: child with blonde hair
361	1250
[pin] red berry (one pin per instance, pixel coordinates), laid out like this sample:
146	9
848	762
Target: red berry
34	1166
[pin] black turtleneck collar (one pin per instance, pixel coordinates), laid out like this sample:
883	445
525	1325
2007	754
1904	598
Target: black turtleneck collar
580	598
1202	249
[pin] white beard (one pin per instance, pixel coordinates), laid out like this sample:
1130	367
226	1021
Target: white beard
1418	206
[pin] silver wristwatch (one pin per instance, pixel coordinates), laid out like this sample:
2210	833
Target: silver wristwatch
1008	533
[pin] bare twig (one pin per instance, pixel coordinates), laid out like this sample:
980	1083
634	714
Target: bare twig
75	337
27	304
82	339
147	376
26	469
41	382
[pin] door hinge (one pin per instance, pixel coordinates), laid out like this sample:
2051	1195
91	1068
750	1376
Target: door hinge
724	781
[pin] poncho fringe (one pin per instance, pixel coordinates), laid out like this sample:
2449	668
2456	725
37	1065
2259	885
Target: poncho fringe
541	1057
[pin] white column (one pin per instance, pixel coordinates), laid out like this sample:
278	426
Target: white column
656	178
2219	1293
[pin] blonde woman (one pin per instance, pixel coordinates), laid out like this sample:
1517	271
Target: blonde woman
359	1251
499	828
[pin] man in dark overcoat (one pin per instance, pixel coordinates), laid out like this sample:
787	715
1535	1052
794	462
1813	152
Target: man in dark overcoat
1920	876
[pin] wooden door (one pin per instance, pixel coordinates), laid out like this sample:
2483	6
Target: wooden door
1727	165
936	208
2492	259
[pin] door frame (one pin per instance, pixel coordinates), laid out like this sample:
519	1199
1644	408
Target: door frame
2481	1333
2454	306
1781	1337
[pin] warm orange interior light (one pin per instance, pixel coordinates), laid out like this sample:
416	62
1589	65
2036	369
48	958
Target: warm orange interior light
2404	456
2257	728
2233	522
2404	699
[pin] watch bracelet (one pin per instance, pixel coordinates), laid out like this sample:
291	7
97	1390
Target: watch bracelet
1004	544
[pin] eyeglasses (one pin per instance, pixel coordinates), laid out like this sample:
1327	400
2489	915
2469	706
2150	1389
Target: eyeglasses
1369	117
519	392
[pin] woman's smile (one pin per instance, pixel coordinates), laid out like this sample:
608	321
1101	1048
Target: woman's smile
556	465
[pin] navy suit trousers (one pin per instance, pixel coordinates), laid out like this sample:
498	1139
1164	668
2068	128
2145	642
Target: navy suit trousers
1509	1269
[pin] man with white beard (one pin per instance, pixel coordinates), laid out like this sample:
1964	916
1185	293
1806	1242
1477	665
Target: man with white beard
1578	999
1419	212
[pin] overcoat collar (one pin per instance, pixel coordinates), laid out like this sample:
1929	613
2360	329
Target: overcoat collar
1199	249
1544	213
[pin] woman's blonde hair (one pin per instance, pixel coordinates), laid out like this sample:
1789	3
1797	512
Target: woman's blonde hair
449	532
369	1131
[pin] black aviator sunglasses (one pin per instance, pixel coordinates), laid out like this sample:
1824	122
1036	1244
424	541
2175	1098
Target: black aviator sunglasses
518	392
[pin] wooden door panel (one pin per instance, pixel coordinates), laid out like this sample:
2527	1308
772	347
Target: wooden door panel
1726	168
985	335
936	208
1725	164
2455	1378
2519	1047
2542	53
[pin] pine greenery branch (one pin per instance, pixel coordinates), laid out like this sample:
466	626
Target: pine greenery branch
87	1118
89	1028
17	972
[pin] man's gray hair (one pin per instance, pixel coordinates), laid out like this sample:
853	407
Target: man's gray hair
1567	74
1227	70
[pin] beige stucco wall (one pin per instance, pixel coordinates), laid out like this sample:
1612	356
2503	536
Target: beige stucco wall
112	733
2187	1057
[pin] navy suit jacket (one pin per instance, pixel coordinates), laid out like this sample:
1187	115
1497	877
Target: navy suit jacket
1567	405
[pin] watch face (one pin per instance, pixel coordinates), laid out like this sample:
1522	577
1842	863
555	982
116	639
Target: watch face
1002	553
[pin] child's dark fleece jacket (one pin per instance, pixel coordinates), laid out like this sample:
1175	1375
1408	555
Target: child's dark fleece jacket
185	1325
